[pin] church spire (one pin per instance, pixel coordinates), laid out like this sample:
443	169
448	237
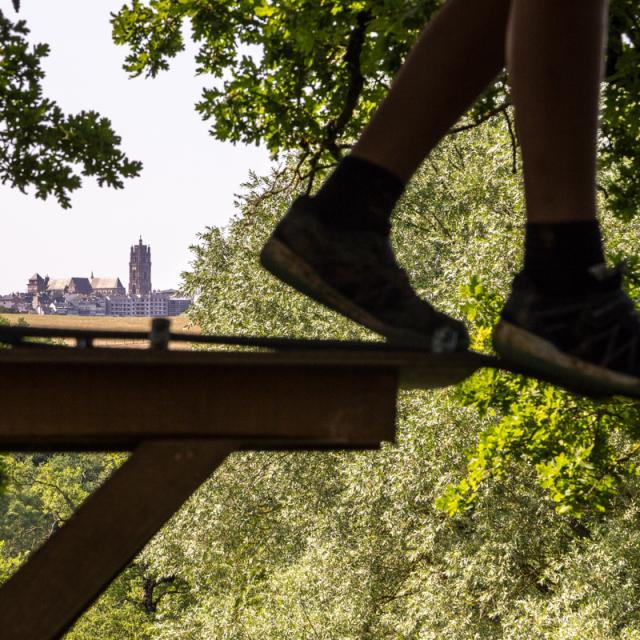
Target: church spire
140	269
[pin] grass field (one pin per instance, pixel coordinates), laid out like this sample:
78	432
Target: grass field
108	323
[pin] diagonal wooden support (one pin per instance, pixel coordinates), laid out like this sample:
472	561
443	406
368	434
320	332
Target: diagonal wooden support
114	400
182	413
71	569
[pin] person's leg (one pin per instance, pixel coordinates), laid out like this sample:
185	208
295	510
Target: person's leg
567	319
334	247
456	57
555	61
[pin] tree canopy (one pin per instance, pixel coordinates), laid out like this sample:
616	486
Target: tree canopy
305	76
295	75
507	509
393	543
41	148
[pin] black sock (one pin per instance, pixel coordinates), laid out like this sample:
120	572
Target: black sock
359	195
558	255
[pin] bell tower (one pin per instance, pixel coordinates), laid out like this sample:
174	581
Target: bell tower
140	269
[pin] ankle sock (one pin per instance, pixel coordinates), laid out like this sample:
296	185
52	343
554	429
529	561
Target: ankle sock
558	255
359	195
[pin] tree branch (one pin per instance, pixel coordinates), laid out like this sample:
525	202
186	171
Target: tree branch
487	116
354	88
356	82
514	142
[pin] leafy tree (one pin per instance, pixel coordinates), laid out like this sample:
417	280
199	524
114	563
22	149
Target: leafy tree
42	148
351	545
42	492
305	75
583	451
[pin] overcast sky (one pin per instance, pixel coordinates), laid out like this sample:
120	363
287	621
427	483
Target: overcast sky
188	179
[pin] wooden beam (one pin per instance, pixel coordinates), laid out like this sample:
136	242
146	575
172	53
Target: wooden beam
210	404
108	399
62	578
103	399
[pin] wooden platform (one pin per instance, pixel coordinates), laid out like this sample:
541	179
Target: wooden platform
181	413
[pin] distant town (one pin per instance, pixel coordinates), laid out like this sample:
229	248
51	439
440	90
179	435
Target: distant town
98	296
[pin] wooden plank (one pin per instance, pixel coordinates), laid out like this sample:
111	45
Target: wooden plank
62	578
368	356
108	400
16	335
439	370
114	399
118	399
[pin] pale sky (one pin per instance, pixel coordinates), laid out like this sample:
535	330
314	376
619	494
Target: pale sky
188	181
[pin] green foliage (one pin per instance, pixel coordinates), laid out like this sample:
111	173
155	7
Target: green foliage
122	611
42	491
582	451
291	74
621	110
305	76
351	545
41	148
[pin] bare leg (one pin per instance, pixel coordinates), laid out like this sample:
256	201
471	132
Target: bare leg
567	318
458	54
555	62
334	247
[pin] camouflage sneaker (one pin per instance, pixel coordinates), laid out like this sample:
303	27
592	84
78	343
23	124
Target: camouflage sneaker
586	342
356	274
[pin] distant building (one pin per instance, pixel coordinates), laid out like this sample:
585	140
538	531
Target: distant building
157	304
60	286
107	286
177	306
37	284
15	303
140	270
101	296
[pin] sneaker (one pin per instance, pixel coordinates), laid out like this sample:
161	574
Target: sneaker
354	272
586	342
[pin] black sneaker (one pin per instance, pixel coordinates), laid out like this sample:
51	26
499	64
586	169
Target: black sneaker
355	273
586	342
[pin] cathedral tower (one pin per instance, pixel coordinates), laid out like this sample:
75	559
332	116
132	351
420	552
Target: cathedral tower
140	269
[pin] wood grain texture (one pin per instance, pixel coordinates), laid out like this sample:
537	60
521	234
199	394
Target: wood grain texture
63	577
91	401
182	412
114	399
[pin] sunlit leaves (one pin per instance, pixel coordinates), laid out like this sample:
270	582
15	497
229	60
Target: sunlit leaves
283	79
284	76
285	546
580	449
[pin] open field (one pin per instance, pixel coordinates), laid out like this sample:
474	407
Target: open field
107	323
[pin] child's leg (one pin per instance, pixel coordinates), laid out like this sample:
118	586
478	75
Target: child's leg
457	56
555	54
334	247
567	318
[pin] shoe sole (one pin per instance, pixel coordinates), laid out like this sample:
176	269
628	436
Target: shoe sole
289	267
544	360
